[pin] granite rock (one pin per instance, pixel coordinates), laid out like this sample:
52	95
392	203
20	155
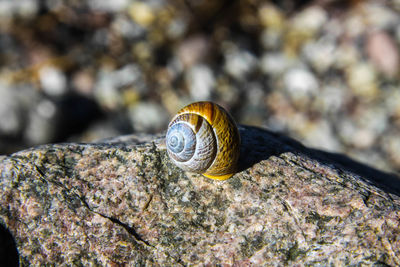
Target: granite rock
122	202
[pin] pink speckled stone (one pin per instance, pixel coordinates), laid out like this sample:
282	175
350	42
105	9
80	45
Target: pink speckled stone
124	203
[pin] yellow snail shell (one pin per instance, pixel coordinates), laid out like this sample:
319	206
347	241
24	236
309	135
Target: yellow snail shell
203	138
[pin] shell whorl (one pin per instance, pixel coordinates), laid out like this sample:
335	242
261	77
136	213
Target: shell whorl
203	138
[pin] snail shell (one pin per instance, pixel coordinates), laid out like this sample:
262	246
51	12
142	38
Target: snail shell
203	138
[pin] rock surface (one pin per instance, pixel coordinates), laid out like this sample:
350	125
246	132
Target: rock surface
122	202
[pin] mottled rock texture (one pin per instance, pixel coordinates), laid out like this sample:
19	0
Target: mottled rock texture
122	202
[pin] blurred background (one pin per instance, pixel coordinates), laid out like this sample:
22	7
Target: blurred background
324	72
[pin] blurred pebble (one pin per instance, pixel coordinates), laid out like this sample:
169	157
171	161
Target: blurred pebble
148	117
300	84
193	50
346	56
321	135
303	26
367	156
333	29
106	93
383	53
362	80
354	25
46	109
54	5
271	17
363	138
142	52
392	102
255	94
227	91
346	129
176	28
279	104
174	68
130	96
373	118
170	100
321	54
354	135
238	63
201	82
298	123
141	13
397	33
22	8
98	131
252	112
270	39
310	19
380	17
391	146
109	6
125	27
110	82
331	98
83	82
11	120
101	38
53	80
274	63
41	119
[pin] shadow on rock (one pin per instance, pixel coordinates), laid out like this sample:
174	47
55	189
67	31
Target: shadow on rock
8	250
258	144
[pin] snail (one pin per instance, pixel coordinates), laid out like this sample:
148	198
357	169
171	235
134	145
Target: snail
203	138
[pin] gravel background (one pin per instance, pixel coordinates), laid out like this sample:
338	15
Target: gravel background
324	72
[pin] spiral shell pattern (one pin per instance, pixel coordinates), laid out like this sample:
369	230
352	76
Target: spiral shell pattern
203	138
